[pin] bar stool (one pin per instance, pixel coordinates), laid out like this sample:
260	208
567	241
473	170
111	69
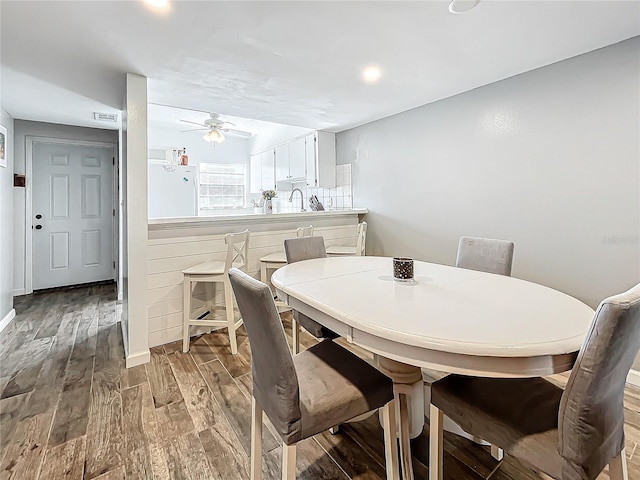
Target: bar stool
358	250
215	272
278	259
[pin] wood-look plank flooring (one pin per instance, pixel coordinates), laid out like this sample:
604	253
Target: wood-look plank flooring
69	409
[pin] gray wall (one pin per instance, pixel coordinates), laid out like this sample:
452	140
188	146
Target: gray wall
6	220
40	129
549	159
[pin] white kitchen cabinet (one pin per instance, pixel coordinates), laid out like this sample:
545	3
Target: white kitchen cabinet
268	170
320	158
290	161
255	175
310	159
297	162
262	172
282	163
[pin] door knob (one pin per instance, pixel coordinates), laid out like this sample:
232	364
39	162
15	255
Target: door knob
38	227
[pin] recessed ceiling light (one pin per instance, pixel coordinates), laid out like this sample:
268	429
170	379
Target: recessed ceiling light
157	3
371	74
462	6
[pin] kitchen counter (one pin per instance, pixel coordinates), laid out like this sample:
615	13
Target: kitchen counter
175	244
249	218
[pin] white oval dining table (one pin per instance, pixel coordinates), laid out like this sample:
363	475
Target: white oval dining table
449	319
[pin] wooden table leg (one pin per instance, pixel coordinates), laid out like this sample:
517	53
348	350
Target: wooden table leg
403	376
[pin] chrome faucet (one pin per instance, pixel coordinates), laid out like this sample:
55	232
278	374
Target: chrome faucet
302	209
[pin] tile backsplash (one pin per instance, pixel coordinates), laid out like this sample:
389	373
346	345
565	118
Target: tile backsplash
338	198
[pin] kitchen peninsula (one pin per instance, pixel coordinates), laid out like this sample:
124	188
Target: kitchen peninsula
179	243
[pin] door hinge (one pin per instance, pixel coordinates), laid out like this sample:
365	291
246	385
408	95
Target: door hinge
114	264
114	212
113	160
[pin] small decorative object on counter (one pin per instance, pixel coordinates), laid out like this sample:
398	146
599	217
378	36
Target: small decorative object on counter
268	196
184	158
403	269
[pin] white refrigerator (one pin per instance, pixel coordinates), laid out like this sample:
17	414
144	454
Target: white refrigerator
173	191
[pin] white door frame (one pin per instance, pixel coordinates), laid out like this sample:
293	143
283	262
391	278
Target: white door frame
28	251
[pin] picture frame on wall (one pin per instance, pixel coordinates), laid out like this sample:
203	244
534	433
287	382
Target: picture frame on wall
3	147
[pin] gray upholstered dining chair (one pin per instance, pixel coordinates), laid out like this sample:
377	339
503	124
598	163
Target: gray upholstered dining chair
307	393
297	250
485	255
569	435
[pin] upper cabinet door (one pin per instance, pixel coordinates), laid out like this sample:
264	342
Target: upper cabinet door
268	170
310	158
282	163
256	173
297	163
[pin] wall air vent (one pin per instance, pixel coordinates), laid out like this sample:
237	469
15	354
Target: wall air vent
106	117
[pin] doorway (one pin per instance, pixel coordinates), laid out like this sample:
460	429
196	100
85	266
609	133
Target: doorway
72	219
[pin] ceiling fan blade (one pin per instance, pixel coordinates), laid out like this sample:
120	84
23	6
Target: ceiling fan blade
194	123
238	133
194	130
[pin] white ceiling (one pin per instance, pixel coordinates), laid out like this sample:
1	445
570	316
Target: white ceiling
291	62
163	116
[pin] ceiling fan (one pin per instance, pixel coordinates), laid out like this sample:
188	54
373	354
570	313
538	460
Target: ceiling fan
215	128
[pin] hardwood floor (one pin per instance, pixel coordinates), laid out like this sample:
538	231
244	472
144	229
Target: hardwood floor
69	409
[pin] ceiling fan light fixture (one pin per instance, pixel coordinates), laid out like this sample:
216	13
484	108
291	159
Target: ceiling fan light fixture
214	135
462	6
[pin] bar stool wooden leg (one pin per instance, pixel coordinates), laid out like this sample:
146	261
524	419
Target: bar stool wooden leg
231	323
186	314
263	272
256	440
288	462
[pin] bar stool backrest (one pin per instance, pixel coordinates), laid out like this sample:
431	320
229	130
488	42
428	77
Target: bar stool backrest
362	239
304	231
237	250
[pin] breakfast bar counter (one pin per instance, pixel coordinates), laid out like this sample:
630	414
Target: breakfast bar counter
175	244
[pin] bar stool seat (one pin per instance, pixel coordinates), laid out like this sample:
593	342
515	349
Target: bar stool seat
341	250
276	257
208	268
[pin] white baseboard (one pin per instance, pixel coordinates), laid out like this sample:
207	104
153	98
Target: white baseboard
634	378
19	291
138	359
7	319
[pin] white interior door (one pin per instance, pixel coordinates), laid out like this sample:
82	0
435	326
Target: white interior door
72	215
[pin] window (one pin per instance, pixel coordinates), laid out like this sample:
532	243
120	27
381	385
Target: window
222	186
